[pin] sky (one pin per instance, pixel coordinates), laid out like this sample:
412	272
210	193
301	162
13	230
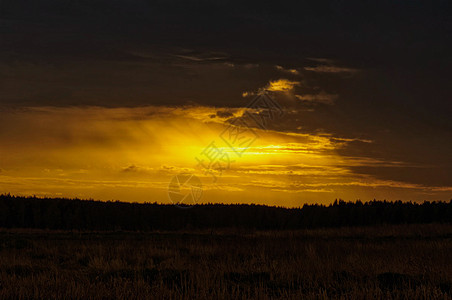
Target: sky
112	99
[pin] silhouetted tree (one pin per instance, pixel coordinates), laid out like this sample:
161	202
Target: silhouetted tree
70	214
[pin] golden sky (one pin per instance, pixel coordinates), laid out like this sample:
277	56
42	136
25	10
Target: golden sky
131	154
111	100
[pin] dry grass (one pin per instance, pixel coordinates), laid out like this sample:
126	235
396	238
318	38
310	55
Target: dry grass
393	262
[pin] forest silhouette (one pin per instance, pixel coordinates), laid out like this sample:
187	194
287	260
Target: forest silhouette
77	214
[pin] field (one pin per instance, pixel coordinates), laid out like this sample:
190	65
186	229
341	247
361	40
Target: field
379	262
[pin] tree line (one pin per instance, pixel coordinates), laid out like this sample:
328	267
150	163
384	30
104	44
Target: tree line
77	214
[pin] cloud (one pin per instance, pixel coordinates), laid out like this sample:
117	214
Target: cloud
310	144
131	168
323	98
300	183
321	60
140	169
326	65
291	71
225	114
198	56
132	153
330	69
281	85
250	66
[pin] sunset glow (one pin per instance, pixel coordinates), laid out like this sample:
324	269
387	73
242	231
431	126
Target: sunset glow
115	111
225	149
132	154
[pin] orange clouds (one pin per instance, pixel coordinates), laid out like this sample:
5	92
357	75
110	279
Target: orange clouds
132	153
282	85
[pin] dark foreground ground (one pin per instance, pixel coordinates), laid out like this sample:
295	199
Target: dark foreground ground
385	262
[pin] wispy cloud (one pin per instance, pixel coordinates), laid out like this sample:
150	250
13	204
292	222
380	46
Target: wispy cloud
197	56
132	153
321	60
279	85
330	69
291	71
322	97
282	85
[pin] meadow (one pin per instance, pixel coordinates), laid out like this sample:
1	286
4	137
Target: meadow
373	262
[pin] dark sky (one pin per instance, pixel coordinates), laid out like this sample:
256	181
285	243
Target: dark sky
385	64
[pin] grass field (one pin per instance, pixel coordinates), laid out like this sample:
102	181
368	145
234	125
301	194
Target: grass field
385	262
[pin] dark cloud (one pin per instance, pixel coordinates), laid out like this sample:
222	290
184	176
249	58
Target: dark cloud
137	52
131	168
320	98
330	69
225	114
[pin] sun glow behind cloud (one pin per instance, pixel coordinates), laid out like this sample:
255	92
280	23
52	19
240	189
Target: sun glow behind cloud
132	153
282	85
